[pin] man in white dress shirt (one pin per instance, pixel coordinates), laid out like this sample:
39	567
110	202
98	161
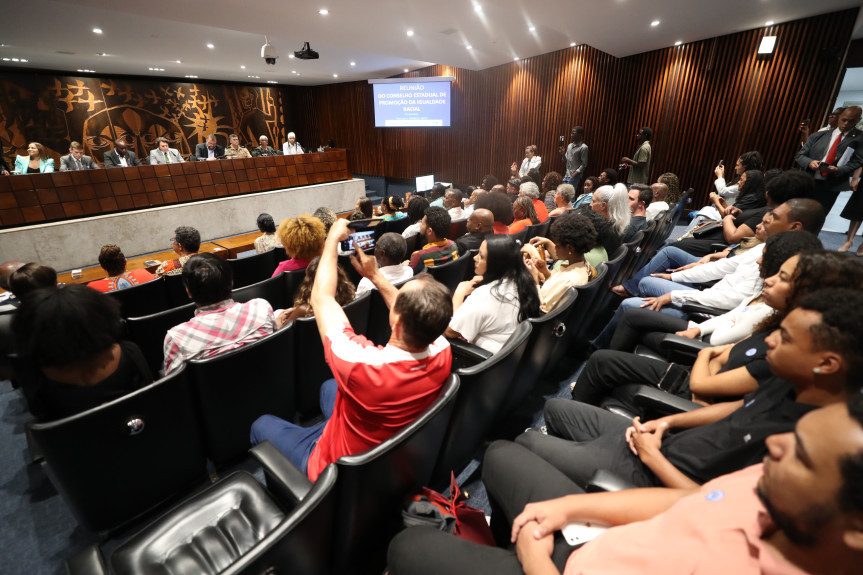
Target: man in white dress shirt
390	251
292	146
452	202
531	161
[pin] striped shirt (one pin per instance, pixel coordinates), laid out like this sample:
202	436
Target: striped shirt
434	254
216	329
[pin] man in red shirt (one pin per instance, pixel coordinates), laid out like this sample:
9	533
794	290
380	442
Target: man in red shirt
377	390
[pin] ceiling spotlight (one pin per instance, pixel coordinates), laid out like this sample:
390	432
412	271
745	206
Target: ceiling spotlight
97	30
210	46
26	60
769	23
102	54
242	67
531	29
410	32
255	77
678	43
298	74
323	11
477	8
515	59
293	71
335	75
16	59
156	69
178	61
572	44
353	63
655	23
469	47
290	55
190	76
271	82
768	43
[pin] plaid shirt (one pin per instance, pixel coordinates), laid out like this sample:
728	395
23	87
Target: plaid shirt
216	329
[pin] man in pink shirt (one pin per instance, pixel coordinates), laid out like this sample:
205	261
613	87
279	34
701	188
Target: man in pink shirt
801	511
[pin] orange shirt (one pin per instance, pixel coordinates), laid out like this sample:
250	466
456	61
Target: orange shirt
541	210
500	228
519	225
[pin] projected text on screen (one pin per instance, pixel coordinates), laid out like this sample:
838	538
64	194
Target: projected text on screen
412	104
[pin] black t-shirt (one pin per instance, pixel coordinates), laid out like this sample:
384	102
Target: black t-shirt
636	224
736	441
470	241
750	353
50	400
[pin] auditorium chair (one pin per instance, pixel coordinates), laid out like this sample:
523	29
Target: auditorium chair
457	229
585	311
680	208
145	299
116	461
538	230
520	237
452	273
373	487
274	290
177	295
378	327
280	254
612	278
347	266
234	388
311	368
394	226
149	331
650	402
234	527
485	391
627	270
649	233
413	244
250	270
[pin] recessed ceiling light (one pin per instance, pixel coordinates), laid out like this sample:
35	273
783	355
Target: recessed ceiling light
156	69
5	59
242	67
271	82
97	30
323	11
190	76
210	46
769	23
293	71
102	54
335	75
24	60
655	23
571	44
353	63
88	71
515	59
410	32
678	43
469	47
255	77
768	43
406	70
290	55
16	59
531	29
477	8
178	61
298	74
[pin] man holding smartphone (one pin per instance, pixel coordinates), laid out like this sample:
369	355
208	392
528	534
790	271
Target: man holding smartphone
575	156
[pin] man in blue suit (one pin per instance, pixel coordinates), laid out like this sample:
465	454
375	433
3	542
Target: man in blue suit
832	156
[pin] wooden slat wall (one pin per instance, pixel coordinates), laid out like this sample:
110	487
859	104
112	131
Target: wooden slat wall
705	101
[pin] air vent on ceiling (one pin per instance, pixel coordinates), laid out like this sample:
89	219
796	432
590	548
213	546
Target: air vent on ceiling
65	52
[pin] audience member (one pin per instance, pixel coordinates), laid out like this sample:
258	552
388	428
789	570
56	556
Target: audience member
390	251
268	239
639	164
113	261
303	238
480	225
575	157
438	249
69	344
498	203
327	216
488	182
591	184
436	195
345	293
234	151
613	204
639	196
550	183
452	204
531	190
562	199
120	156
357	216
30	277
607	240
532	176
523	213
512	187
377	390
391	207
365	206
471	200
530	161
417	207
165	154
572	235
36	161
670	180
185	243
488	308
220	324
209	150
9	302
658	205
747	161
264	148
76	160
750	195
608	177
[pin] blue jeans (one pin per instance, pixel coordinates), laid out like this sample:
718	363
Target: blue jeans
647	287
667	258
296	442
575	180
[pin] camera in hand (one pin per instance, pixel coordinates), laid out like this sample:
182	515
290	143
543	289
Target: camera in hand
364	240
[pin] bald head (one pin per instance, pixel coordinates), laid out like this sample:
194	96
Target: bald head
499	188
481	221
6	270
659	192
849	118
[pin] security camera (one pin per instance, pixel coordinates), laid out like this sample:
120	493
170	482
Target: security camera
268	52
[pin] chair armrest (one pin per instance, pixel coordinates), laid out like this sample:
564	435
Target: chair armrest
718	247
604	480
87	562
284	480
657	401
672	342
467	354
703	309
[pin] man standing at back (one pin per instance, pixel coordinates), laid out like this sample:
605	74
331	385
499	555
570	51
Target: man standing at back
377	391
639	165
575	157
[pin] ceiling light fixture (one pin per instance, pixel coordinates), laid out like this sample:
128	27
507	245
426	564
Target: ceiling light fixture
178	61
655	23
572	44
768	43
769	23
290	55
531	29
406	70
353	63
477	8
156	69
410	32
335	75
242	67
469	47
190	76
293	71
678	43
86	70
102	54
323	11
97	30
271	82
255	77
515	59
210	46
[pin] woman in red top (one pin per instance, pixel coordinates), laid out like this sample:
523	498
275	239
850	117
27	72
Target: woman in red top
303	239
113	261
524	214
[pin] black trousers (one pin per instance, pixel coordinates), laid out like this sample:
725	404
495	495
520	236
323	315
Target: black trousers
639	325
699	247
514	477
824	195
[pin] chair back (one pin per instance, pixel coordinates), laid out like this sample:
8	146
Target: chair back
374	486
114	462
684	200
149	332
587	310
253	269
413	244
347	266
311	367
144	299
451	273
627	268
177	295
486	387
457	229
378	328
279	254
395	226
612	278
233	389
273	290
520	237
538	230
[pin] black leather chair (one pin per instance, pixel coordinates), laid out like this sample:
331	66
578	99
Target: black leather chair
177	295
115	462
457	229
613	268
233	389
149	332
584	311
520	237
279	254
378	327
632	253
233	527
413	244
311	369
682	203
394	226
352	273
144	299
372	487
253	269
538	230
452	273
485	389
274	290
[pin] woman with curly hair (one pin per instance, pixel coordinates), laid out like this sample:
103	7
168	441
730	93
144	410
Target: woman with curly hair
524	214
550	183
345	292
391	207
113	261
303	239
673	183
591	184
501	295
572	235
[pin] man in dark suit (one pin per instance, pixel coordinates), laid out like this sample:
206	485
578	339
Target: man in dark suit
479	226
210	150
76	160
832	156
120	156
